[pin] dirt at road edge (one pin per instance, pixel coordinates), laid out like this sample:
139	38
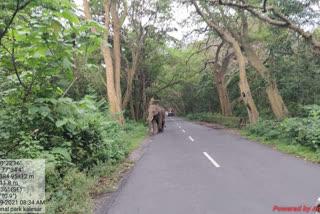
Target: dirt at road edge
110	184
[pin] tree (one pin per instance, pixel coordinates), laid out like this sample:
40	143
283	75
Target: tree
144	19
243	84
220	72
135	35
149	66
219	58
112	60
241	34
277	104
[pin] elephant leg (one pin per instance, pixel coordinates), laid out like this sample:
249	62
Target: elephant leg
150	127
160	124
155	127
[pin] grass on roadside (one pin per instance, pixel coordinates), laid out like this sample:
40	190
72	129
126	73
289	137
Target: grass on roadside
228	121
108	182
77	188
282	145
135	138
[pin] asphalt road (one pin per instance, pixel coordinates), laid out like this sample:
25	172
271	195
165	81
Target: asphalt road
193	169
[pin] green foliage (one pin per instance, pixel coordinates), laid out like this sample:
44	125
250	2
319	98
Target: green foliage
39	52
47	56
63	131
228	121
197	116
70	193
190	91
73	137
296	130
282	145
299	86
265	128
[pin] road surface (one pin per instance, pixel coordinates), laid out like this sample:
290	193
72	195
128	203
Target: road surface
193	169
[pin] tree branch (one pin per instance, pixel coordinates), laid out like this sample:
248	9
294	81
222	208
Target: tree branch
284	23
171	83
231	75
13	59
71	84
215	66
18	8
125	12
264	6
199	51
236	101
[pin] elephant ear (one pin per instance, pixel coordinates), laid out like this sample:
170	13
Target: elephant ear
152	112
157	110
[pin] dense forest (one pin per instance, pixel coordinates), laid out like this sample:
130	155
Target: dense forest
77	78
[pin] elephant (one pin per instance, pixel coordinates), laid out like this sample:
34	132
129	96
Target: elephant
156	118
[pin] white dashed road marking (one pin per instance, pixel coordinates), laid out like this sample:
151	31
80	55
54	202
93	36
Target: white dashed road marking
183	130
211	159
191	138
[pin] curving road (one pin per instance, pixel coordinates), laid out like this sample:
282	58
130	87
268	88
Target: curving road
193	169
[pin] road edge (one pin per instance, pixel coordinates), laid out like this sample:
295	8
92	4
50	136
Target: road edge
103	202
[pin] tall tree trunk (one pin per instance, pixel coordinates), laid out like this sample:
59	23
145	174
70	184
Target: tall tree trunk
225	104
244	86
219	73
243	83
133	116
112	96
112	82
277	104
116	47
131	73
137	104
144	98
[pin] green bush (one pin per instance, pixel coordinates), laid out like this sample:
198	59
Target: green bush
305	131
62	131
78	139
267	128
296	130
71	195
197	116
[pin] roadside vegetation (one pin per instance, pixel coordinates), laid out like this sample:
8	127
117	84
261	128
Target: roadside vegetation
299	136
228	121
53	104
79	141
